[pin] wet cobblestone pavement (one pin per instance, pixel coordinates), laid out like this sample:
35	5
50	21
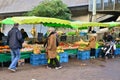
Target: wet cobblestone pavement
95	69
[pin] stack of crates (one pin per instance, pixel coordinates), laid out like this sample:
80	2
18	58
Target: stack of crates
38	59
83	55
63	57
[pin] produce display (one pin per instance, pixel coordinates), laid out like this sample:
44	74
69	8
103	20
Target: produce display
26	50
67	45
82	44
36	49
4	49
60	49
76	45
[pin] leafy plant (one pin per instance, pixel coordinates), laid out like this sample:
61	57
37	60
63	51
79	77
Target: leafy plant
51	8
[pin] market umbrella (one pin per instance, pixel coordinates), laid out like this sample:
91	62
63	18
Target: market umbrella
8	21
95	24
113	24
52	22
85	25
77	25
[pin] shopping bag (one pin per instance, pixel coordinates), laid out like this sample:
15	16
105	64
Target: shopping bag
58	57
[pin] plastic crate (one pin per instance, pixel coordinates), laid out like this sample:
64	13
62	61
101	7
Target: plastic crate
43	62
83	55
64	60
34	58
97	53
38	56
34	55
38	59
63	55
117	51
34	61
88	55
37	63
42	56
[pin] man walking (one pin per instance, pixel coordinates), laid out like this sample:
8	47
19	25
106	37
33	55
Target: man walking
15	41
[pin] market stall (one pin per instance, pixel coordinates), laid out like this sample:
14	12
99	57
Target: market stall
31	48
72	45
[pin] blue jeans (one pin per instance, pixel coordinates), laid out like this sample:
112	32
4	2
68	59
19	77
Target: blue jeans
15	56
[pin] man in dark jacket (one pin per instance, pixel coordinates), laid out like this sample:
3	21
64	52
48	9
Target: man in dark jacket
24	34
15	41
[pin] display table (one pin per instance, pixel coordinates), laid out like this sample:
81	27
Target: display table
71	51
5	57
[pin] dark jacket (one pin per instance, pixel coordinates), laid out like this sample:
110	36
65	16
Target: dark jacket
24	35
15	39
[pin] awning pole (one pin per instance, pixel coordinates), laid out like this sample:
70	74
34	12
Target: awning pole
94	11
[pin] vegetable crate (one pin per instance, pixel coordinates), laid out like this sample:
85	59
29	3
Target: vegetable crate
117	51
63	57
38	59
97	52
83	55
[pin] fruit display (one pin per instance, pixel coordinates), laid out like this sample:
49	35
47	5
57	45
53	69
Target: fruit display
60	49
26	47
82	47
81	42
36	49
26	50
67	45
4	49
